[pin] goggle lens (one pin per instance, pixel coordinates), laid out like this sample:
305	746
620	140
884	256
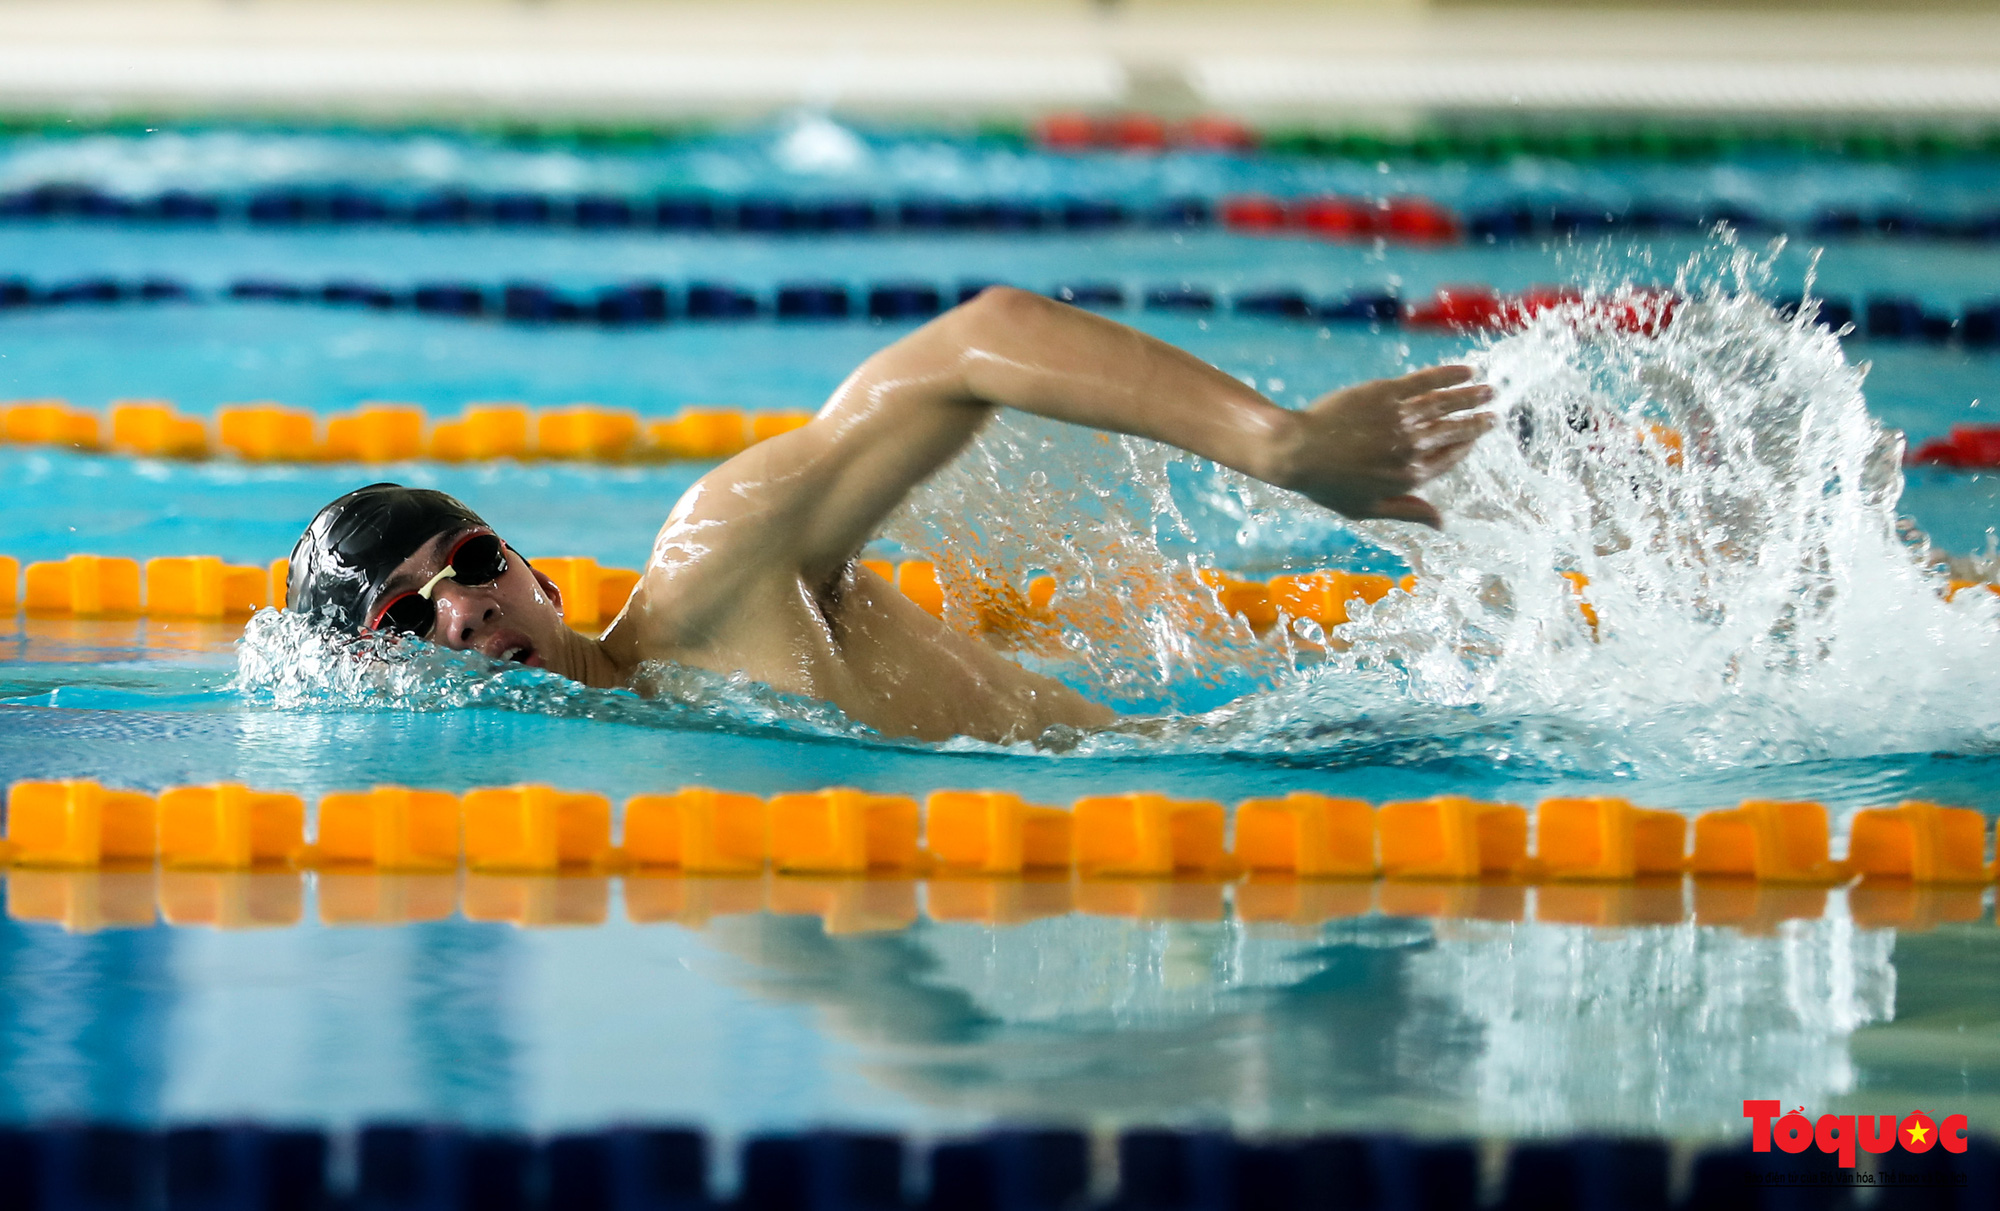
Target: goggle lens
408	615
478	560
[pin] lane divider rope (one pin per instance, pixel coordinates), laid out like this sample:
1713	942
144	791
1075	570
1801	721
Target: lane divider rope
1476	137
1456	307
381	432
206	587
81	824
1485	139
1399	218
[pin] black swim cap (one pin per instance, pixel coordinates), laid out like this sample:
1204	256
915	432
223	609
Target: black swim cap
357	541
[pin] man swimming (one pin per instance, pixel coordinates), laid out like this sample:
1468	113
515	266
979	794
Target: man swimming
755	571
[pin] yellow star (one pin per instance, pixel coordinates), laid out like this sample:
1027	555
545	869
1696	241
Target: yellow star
1918	1132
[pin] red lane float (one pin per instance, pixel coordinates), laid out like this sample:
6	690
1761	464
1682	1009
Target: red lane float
1415	220
1215	133
1141	132
1066	132
1136	132
1464	306
1968	448
1337	218
1254	213
1470	307
1404	219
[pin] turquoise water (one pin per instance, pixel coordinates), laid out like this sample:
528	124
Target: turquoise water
759	1020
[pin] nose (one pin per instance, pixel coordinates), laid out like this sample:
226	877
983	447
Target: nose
460	614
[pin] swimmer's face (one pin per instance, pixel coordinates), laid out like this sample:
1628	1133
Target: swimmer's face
516	616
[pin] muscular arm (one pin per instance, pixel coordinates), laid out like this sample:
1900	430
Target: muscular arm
803	503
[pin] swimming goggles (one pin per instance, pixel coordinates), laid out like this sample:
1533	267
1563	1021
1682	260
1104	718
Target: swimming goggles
478	559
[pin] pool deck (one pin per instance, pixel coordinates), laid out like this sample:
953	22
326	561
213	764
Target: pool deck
1395	60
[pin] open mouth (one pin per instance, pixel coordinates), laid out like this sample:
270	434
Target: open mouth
515	649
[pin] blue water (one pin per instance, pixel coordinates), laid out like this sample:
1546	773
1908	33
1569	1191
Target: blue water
761	1021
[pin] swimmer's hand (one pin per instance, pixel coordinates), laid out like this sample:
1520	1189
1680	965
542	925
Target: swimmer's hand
1361	450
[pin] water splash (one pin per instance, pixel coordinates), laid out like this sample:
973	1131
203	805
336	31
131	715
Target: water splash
1732	506
288	661
1119	527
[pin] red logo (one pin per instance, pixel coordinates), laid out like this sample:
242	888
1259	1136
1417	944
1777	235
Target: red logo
1841	1133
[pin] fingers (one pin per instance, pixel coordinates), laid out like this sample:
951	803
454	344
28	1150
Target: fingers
1450	432
1432	378
1437	462
1409	508
1433	404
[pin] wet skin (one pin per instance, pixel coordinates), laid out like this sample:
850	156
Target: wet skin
755	572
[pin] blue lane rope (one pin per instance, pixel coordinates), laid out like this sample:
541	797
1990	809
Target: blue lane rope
1883	317
757	215
293	207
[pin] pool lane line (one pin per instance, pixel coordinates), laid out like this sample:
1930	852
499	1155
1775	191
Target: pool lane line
841	831
1306	606
205	588
1410	219
1479	137
1460	308
382	432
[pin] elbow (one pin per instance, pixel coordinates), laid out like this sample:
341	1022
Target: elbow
1000	307
996	319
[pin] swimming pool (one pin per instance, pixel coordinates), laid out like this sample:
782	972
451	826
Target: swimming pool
1187	1005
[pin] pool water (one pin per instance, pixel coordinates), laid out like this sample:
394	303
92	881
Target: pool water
1505	1023
758	1022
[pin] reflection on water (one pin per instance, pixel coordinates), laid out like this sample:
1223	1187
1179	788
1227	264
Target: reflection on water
1177	1011
1628	1029
1478	1027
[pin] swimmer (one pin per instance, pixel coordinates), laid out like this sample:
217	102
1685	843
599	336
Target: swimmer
756	571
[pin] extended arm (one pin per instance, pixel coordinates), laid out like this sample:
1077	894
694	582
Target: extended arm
803	503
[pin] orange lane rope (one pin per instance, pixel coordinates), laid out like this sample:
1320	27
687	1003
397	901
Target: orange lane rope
843	831
90	857
391	432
